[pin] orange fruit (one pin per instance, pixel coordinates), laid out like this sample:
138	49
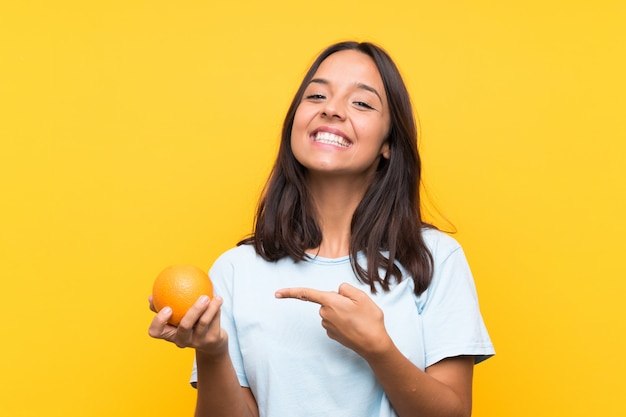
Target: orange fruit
179	287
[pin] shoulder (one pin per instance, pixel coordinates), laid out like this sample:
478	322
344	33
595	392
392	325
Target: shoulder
451	270
440	244
236	265
233	259
238	253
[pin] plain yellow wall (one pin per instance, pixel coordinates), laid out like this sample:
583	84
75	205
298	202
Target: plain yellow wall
137	134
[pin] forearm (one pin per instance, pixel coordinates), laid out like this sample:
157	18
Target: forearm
413	392
219	391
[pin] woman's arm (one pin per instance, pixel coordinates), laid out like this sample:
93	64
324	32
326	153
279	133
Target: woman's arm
444	390
219	392
354	320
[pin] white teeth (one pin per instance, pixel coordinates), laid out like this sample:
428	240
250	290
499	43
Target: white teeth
331	139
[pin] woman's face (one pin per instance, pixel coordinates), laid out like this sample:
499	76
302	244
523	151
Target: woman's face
341	124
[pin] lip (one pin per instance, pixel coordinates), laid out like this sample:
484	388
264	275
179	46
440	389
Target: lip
332	130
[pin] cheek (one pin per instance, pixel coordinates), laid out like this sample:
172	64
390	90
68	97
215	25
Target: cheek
375	132
301	121
298	130
298	123
385	128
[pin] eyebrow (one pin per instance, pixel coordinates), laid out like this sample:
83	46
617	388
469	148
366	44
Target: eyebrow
357	85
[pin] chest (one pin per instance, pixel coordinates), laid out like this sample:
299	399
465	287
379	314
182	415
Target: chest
271	329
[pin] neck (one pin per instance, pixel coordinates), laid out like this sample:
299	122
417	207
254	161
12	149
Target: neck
335	202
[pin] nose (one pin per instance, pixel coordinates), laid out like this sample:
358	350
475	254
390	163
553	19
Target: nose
333	108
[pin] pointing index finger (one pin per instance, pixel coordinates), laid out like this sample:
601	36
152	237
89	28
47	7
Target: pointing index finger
304	294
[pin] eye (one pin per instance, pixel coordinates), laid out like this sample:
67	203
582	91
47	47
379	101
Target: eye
315	97
363	104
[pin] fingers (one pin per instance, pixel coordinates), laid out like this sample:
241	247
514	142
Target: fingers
152	307
193	314
199	327
345	292
317	296
350	291
191	318
202	313
304	294
158	325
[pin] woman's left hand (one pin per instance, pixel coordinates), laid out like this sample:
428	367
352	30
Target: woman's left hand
349	316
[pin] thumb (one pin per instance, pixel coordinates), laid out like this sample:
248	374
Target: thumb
159	323
349	291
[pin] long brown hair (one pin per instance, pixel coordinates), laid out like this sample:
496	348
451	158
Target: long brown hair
387	223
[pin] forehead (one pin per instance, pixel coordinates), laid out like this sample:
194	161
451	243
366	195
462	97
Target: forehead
352	67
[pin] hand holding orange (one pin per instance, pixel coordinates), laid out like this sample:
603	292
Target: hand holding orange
179	287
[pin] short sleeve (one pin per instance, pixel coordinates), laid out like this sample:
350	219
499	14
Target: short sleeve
452	321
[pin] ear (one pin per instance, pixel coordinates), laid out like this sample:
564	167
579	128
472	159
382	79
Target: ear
384	150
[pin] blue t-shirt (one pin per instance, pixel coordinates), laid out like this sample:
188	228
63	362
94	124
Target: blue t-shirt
280	350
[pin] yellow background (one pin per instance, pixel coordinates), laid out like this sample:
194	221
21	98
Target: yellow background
137	134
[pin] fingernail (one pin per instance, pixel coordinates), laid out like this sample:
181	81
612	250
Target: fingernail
167	310
203	299
278	295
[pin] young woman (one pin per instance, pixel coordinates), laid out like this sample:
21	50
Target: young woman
343	302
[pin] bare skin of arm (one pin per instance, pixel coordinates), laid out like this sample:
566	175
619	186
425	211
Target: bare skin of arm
354	320
219	392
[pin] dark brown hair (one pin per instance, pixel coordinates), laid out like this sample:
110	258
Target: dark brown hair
387	223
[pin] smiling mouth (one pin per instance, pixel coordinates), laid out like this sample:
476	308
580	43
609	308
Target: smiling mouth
331	139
